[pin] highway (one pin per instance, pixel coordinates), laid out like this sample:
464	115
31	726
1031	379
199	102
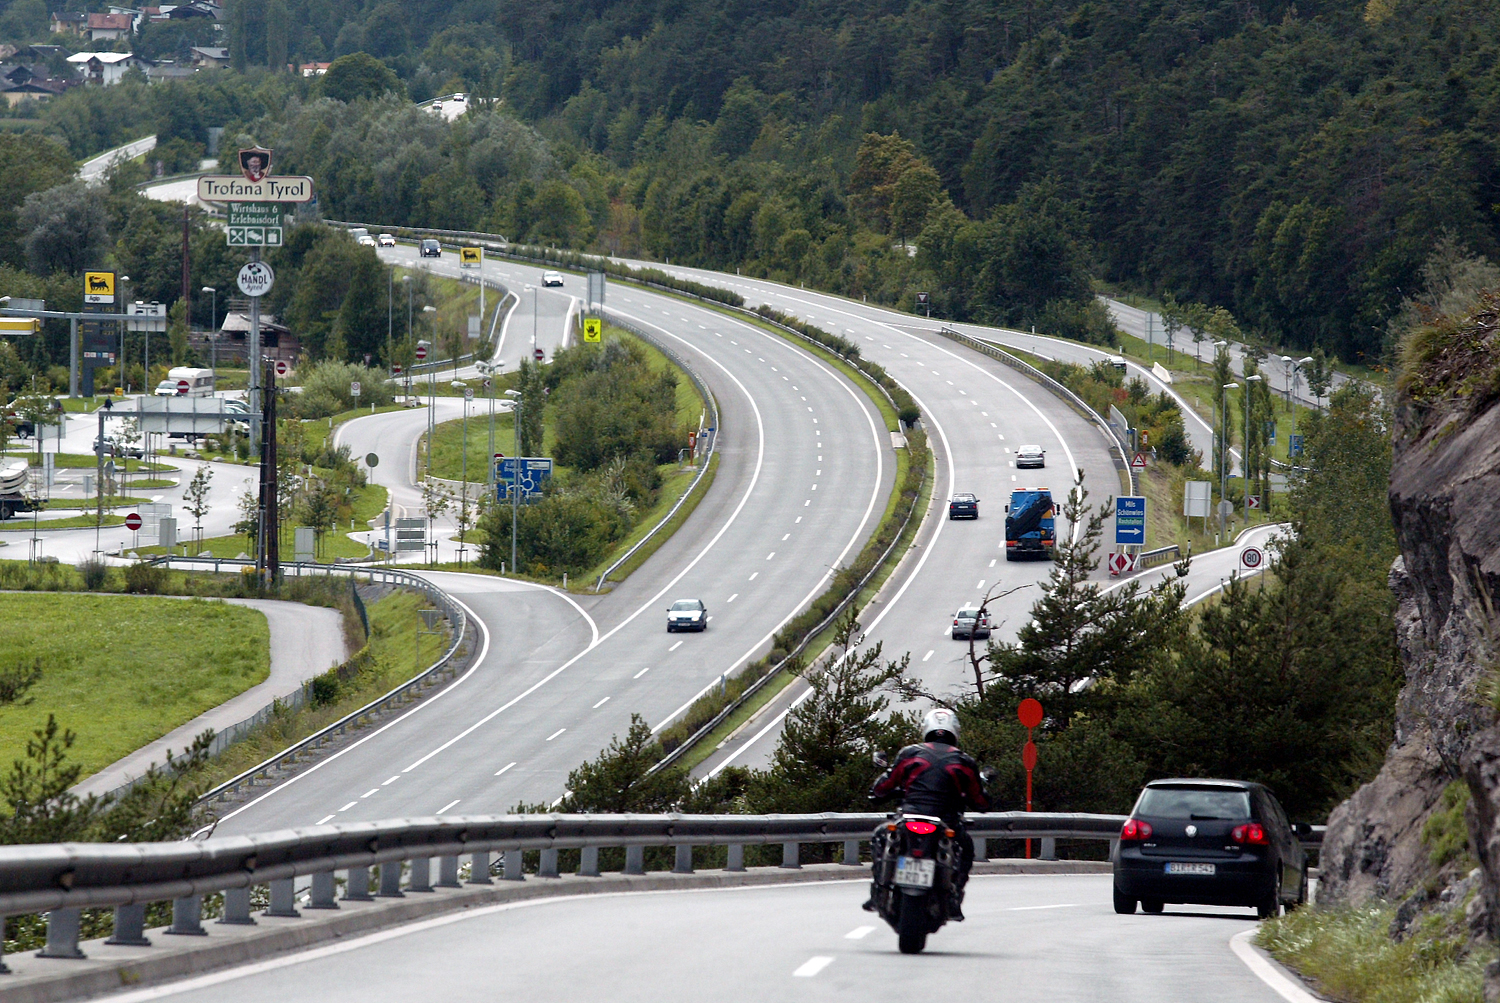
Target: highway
806	465
1027	938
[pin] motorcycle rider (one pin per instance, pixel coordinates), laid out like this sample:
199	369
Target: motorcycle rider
937	778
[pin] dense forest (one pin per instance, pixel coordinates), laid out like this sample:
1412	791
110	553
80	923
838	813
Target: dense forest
1294	162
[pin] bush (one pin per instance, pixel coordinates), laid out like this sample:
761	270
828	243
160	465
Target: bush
95	573
325	389
145	578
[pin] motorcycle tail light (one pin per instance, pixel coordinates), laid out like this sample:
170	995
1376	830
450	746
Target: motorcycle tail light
920	828
1135	829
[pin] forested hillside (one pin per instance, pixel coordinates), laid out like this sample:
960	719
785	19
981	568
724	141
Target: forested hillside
1294	162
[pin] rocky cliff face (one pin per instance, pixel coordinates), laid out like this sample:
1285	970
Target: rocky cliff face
1445	500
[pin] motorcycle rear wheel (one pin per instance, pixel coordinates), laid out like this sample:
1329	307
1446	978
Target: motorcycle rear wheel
911	925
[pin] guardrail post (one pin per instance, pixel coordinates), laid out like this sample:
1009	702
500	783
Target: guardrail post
62	935
283	899
323	891
981	848
448	873
421	875
588	862
1049	848
479	867
130	926
548	866
736	861
390	880
851	853
635	860
684	862
187	917
236	908
357	885
791	855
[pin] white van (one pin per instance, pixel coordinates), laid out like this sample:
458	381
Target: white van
200	383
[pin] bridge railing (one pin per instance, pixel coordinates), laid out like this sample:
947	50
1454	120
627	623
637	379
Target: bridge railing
61	879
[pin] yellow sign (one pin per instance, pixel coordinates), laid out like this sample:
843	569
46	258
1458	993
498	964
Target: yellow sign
19	325
592	329
98	287
470	256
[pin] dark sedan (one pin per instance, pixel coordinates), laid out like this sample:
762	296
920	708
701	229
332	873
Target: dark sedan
1209	842
431	249
963	506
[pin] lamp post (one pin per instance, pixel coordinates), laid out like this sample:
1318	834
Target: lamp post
390	314
120	365
463	477
213	326
431	398
535	294
515	480
1245	459
1224	450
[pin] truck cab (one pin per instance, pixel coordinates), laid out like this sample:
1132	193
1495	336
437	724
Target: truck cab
1030	528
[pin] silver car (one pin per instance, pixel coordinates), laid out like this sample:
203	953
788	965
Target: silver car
552	278
687	614
968	622
1031	456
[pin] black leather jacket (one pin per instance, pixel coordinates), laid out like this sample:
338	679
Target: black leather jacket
933	779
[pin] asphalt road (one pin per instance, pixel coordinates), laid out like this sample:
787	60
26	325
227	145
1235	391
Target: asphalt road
806	463
1027	938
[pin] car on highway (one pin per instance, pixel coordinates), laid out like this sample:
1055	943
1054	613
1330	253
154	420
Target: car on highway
552	278
963	506
687	614
385	240
1209	842
431	249
365	240
1031	456
969	622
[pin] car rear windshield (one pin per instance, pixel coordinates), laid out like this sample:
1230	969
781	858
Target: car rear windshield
968	614
1193	802
686	604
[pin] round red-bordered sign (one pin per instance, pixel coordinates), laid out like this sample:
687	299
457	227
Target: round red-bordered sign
421	352
183	386
282	368
132	522
1251	557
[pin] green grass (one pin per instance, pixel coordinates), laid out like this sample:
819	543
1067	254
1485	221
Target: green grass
672	487
22	523
1349	955
126	670
88	504
368	501
87	461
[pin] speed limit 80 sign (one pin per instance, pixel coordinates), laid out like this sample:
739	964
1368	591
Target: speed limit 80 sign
1251	558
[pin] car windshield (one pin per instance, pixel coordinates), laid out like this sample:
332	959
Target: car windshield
1193	802
686	604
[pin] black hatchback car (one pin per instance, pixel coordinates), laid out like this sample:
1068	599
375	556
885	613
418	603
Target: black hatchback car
1209	842
963	506
431	249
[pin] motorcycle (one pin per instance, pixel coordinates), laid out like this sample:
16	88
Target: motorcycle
914	862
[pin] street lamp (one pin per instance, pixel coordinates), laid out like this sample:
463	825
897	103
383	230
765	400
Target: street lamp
535	293
406	281
120	364
1245	459
213	326
1224	449
515	478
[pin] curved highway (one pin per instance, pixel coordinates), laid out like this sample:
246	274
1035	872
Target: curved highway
1027	938
806	465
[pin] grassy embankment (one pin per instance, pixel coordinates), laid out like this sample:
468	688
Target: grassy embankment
126	670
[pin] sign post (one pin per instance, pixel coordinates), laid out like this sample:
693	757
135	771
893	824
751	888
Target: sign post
1030	715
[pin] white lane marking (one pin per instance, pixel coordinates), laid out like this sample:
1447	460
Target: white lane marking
992	562
601	703
675	646
859	933
556	733
504	768
450	804
641	673
756	574
372	790
1033	908
732	598
325	818
981	584
786	537
815	487
770	555
794	522
392	780
1267	971
812	966
770	726
928	655
351	804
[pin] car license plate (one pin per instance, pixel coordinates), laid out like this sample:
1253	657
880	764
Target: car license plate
1178	867
914	873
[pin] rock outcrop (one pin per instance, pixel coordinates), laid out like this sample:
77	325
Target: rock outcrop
1445	500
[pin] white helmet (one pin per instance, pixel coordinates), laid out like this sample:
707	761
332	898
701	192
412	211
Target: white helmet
940	725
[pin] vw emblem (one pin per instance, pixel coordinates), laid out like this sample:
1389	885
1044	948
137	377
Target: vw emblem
1192	830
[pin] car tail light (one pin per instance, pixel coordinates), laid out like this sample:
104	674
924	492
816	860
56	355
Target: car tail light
1135	830
920	828
1251	834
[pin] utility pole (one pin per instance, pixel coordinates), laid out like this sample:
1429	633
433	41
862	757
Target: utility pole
1224	453
268	541
1245	459
253	355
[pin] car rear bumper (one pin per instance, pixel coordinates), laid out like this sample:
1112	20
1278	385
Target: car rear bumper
1236	882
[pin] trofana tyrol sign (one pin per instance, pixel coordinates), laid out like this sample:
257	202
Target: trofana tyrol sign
229	188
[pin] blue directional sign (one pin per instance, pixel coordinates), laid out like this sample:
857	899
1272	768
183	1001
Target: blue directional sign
536	471
1130	521
1294	445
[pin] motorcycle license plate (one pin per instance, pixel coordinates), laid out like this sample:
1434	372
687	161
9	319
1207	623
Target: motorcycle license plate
913	873
1205	870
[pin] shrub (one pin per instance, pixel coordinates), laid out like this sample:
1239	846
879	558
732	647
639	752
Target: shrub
94	573
145	578
325	389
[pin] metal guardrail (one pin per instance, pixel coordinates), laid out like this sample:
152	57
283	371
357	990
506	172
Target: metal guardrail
1161	555
452	612
713	441
1073	400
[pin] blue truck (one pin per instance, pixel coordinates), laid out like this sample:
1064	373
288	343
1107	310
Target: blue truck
1030	529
